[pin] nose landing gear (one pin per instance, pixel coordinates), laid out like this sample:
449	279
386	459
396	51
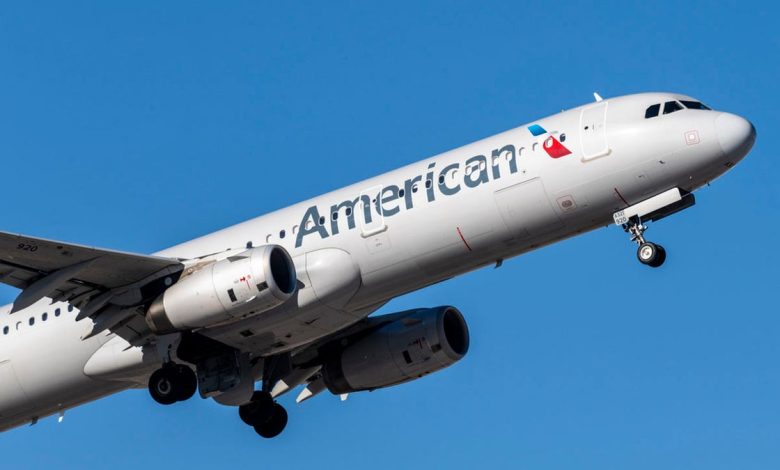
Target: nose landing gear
651	254
648	253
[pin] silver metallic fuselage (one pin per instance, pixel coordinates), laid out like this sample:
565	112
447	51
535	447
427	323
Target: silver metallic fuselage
519	200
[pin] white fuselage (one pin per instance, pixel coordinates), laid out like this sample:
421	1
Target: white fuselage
395	233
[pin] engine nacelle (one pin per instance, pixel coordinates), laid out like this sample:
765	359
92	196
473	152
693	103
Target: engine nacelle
413	344
244	284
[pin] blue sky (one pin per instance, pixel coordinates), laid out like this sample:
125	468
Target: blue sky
138	125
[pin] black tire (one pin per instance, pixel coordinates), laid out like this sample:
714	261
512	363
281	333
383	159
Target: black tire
163	386
259	410
186	382
660	257
647	253
274	426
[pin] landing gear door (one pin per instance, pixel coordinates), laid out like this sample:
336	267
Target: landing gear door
593	131
372	220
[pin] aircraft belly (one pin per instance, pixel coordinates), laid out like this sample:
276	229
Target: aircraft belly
47	365
286	329
54	368
12	398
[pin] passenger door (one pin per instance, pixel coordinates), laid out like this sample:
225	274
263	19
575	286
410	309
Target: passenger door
593	131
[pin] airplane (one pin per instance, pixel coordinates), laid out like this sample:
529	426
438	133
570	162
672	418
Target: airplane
284	301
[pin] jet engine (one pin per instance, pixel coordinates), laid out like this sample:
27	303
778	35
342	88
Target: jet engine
397	348
241	285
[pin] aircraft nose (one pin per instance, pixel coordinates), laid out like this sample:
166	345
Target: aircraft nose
736	135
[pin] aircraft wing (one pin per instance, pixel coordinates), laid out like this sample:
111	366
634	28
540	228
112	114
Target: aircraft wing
91	278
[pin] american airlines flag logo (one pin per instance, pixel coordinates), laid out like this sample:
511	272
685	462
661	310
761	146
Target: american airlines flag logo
551	145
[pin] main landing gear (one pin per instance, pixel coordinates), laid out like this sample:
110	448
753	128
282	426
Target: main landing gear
172	383
267	417
648	253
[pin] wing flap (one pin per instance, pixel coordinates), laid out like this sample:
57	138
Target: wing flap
45	286
90	278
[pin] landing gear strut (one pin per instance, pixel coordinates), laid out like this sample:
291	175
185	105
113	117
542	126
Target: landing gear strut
267	417
172	383
648	253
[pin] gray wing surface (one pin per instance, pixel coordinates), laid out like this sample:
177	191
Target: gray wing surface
78	274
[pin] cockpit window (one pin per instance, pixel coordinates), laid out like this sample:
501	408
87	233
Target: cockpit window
672	106
695	105
652	111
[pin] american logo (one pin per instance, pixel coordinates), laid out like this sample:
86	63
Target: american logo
426	187
551	145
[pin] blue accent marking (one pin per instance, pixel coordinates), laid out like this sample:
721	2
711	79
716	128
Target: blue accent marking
536	129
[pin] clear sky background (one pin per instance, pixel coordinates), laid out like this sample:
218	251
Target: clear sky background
138	125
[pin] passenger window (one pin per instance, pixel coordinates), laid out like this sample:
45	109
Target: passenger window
45	316
70	308
282	233
32	321
672	106
5	330
695	105
652	111
57	312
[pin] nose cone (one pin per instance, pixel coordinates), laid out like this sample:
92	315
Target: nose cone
736	135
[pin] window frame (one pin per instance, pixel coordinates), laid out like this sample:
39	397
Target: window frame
680	107
703	107
657	107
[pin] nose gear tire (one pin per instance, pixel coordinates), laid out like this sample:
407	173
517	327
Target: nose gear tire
651	254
